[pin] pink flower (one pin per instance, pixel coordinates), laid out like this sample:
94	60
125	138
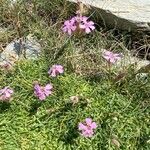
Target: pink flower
87	127
55	70
78	22
111	57
42	92
88	26
69	26
5	93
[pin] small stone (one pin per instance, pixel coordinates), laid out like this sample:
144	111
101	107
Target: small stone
127	60
49	111
115	142
74	99
32	48
27	48
115	118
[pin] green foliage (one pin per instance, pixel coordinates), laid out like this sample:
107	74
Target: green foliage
121	109
27	123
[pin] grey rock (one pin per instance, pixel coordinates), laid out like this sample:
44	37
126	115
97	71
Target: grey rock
140	65
122	14
28	48
129	60
32	48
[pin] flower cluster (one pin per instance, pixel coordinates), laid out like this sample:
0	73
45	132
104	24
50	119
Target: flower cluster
5	94
87	127
78	23
55	70
111	57
42	91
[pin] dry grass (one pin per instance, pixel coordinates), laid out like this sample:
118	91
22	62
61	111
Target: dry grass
121	109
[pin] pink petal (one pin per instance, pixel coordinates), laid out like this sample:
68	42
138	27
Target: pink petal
47	93
73	20
48	87
73	28
108	53
88	121
37	89
81	126
91	23
87	30
84	19
60	69
93	125
42	97
11	91
69	31
112	60
117	56
106	57
37	86
64	29
53	74
67	22
92	27
87	133
7	94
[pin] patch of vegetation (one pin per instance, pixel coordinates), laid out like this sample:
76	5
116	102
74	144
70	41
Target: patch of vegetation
120	108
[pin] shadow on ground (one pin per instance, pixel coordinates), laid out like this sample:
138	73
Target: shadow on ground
4	106
34	108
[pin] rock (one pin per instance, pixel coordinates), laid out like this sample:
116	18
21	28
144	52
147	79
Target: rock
132	15
129	60
140	65
32	48
28	48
